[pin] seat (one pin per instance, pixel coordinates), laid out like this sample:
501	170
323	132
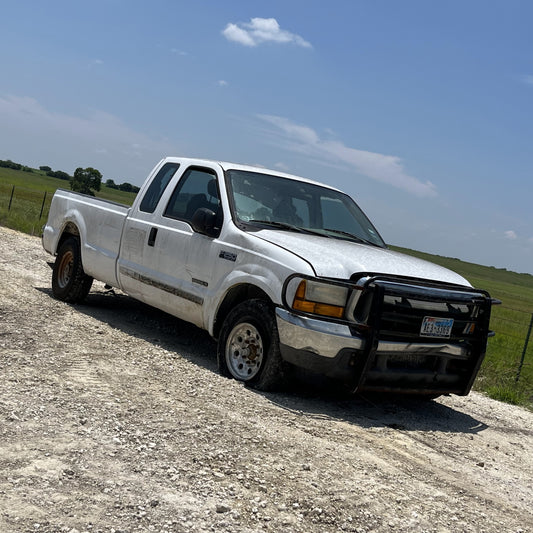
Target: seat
286	212
195	203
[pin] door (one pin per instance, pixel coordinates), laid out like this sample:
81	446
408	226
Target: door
155	264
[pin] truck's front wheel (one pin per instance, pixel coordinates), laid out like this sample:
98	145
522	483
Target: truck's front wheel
69	281
248	346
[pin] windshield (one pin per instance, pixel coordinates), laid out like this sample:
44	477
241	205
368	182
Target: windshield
261	200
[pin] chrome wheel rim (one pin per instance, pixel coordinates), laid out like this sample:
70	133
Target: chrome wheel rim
244	351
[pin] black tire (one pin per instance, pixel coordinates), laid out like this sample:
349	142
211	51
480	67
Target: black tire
248	347
69	281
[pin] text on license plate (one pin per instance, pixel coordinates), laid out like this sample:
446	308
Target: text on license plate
436	327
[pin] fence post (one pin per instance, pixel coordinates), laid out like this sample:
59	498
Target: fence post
42	206
11	198
519	371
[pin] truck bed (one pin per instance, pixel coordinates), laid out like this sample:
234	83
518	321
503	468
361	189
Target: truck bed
100	221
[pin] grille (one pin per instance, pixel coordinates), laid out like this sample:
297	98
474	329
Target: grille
400	357
399	310
402	318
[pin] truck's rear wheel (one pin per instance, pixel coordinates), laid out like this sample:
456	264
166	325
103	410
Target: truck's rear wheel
69	281
248	346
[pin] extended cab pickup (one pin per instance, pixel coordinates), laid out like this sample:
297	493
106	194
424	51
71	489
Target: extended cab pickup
279	269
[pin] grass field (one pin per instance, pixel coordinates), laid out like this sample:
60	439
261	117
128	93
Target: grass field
510	321
29	198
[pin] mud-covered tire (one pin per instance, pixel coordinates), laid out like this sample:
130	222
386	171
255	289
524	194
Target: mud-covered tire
248	346
69	281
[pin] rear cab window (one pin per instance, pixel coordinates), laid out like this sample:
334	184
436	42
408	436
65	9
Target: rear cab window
157	187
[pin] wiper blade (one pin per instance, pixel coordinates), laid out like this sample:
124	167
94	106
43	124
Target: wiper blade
274	223
284	225
352	236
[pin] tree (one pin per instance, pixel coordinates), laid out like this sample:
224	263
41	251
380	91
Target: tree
128	187
111	184
10	164
86	180
45	168
59	174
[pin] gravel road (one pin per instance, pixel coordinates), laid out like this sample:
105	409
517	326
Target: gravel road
113	418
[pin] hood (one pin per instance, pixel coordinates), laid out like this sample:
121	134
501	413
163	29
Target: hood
336	258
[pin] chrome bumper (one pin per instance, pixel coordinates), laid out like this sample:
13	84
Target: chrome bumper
328	339
319	337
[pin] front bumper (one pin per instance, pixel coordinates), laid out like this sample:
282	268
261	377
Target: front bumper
372	364
323	347
322	338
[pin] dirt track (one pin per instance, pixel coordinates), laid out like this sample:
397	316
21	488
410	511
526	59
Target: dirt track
113	418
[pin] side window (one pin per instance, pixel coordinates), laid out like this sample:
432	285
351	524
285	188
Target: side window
197	188
157	187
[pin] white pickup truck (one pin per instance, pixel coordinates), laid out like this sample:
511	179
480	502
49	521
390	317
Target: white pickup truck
282	271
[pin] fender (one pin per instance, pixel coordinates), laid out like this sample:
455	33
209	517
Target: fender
261	276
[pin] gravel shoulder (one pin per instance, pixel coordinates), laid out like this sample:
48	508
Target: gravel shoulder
113	418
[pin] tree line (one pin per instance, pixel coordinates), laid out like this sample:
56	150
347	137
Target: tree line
85	180
15	166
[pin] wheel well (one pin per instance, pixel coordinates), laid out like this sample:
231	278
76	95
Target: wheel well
70	230
234	297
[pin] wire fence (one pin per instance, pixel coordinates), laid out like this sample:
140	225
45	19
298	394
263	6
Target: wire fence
512	346
25	194
24	209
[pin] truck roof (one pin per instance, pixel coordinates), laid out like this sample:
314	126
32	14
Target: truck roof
225	165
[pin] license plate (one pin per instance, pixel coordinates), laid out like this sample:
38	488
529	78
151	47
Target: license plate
436	327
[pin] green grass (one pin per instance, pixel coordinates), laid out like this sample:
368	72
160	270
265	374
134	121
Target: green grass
510	320
29	193
36	180
508	394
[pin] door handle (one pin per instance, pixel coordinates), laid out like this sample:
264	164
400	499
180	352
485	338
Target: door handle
152	236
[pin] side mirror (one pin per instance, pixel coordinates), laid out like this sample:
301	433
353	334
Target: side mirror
203	221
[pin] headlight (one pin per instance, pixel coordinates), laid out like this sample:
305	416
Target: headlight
320	298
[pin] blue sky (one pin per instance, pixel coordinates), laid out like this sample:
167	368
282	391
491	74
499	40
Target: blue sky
422	111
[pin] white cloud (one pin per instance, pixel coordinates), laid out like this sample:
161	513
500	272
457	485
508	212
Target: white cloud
511	235
95	63
260	30
178	52
282	166
233	33
384	168
222	83
34	135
